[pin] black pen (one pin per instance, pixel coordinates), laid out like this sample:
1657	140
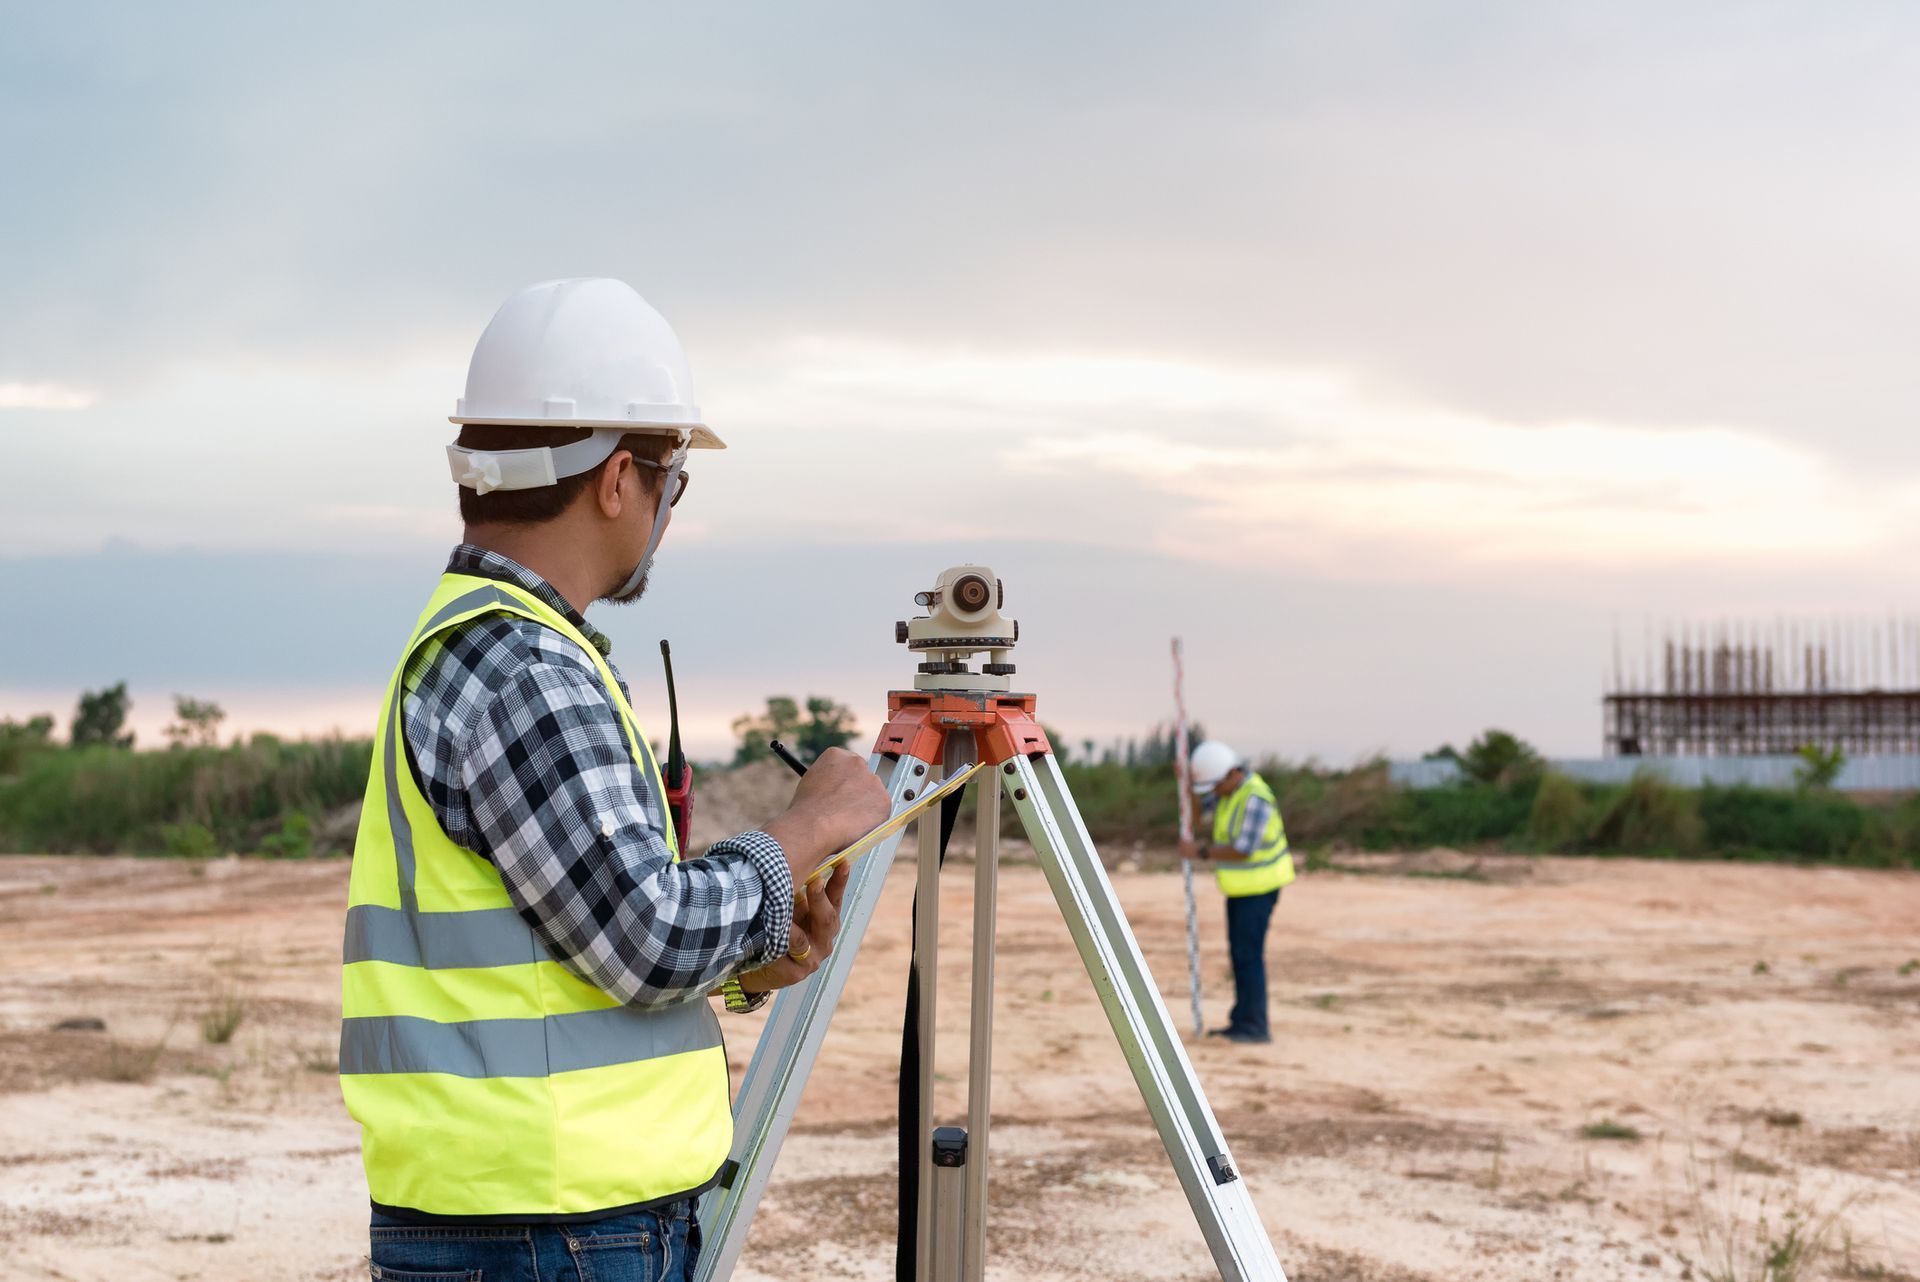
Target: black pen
794	763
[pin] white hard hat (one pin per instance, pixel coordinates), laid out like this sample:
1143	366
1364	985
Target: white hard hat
576	353
1211	762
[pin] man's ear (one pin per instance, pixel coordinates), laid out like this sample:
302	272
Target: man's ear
613	485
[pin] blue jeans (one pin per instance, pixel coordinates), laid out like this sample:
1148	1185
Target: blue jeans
644	1246
1247	919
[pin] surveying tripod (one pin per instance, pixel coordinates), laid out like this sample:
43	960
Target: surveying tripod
956	718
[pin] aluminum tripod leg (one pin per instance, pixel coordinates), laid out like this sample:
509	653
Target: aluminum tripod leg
973	1246
788	1047
1219	1197
926	971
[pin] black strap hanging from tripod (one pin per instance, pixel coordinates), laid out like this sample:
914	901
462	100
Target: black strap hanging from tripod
911	1140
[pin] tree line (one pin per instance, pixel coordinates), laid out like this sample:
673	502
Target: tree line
100	721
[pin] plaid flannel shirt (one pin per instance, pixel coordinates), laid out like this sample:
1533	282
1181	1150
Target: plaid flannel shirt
515	744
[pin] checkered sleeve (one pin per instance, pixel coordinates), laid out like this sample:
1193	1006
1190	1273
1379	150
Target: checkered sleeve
1253	825
559	806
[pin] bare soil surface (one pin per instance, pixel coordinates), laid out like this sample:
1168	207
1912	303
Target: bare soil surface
1493	1068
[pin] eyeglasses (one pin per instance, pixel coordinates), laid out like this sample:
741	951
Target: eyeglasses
679	480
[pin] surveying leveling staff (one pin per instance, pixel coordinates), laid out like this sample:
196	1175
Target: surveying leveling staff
1249	846
527	1042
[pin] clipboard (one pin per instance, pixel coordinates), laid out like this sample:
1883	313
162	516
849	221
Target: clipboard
894	823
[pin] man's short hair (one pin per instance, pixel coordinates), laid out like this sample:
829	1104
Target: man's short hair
530	507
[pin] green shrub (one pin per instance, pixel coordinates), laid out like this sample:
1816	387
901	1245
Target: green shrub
188	840
1819	767
103	799
1813	825
294	840
22	740
1560	814
1498	756
1125	803
1320	806
1649	816
1460	815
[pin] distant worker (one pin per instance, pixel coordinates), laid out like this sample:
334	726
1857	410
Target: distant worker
527	1042
1249	846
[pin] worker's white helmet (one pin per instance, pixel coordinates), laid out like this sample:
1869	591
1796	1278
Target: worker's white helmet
1211	762
574	353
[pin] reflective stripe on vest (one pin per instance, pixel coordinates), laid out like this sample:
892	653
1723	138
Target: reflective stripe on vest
1271	866
487	1078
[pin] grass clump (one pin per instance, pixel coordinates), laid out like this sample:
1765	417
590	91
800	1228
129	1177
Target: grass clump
1609	1130
1559	816
1651	816
1749	1227
223	1019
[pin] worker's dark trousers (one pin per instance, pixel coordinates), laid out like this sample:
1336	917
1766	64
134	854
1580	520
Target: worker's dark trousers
660	1245
1247	919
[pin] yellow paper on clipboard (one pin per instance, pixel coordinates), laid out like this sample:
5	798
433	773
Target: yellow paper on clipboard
898	820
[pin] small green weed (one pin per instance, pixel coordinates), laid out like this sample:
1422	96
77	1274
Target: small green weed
222	1019
1609	1130
189	840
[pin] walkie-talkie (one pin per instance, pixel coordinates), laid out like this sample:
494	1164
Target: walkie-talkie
679	775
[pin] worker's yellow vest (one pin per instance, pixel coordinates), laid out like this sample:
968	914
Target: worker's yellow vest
1271	866
487	1078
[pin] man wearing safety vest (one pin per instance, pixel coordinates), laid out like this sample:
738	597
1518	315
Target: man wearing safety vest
527	1040
1248	845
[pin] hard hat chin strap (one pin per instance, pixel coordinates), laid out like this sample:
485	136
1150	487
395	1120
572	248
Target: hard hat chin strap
638	579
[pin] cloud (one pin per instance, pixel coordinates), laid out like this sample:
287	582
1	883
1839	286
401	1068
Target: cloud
43	396
1312	467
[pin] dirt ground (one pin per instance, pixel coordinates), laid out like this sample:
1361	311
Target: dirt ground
1496	1069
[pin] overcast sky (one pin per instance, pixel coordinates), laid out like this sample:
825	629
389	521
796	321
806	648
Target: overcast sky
1388	353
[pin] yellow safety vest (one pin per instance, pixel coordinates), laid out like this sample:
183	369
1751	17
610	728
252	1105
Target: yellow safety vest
487	1078
1271	866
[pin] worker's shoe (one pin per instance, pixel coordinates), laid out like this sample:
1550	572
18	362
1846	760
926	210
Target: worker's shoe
1220	1032
1247	1039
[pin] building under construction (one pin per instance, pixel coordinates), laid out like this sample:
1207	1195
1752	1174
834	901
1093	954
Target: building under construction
1768	689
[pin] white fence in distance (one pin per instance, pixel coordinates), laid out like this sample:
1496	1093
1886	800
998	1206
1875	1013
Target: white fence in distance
1858	774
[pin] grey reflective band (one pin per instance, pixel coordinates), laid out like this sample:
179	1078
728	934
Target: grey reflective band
397	822
478	599
525	1047
440	941
1268	862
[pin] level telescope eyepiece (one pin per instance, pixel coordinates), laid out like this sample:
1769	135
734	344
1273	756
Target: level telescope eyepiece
963	620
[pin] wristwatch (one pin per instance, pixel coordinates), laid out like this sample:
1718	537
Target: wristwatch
738	1000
